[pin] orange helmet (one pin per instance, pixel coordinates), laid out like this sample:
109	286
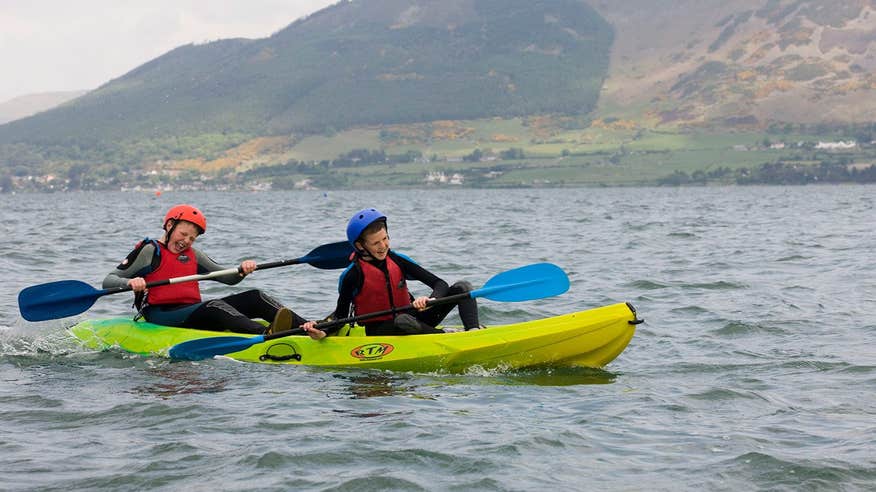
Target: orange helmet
189	214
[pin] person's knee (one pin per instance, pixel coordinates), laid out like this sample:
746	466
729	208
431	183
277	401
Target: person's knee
462	286
218	304
268	299
219	310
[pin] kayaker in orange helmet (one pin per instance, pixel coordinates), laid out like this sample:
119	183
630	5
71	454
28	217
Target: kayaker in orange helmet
376	280
180	304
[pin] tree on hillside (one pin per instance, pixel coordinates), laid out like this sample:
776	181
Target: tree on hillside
475	156
76	175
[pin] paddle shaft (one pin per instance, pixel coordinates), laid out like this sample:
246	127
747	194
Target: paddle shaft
68	297
203	276
485	291
340	322
327	256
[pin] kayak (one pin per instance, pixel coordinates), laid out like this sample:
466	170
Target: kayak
590	338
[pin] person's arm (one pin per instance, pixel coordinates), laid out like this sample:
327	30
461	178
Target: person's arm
207	265
132	267
349	284
414	271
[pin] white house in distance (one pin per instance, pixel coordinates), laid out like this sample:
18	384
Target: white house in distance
440	177
841	145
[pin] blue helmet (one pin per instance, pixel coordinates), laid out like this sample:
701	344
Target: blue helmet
361	220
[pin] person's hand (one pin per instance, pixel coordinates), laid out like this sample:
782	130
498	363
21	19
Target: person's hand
421	303
247	267
137	284
312	331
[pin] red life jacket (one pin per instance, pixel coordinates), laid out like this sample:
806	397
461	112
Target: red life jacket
380	292
170	266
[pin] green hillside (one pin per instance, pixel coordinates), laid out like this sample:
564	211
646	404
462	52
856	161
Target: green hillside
355	63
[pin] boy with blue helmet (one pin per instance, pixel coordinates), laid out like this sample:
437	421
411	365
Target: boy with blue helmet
376	280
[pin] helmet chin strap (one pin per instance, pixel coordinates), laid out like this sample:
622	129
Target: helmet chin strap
169	233
362	252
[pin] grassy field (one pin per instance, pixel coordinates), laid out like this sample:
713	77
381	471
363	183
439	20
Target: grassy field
555	153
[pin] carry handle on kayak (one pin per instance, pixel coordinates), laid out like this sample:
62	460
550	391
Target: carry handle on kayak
525	283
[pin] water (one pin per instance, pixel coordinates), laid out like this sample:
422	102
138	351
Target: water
754	370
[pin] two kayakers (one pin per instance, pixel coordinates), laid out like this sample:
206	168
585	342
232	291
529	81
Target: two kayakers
376	280
180	304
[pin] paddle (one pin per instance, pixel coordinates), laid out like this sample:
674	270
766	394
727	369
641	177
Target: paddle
525	283
68	297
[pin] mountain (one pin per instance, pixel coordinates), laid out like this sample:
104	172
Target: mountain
421	70
355	63
741	63
30	104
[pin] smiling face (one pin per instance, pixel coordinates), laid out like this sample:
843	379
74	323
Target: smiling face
375	243
184	234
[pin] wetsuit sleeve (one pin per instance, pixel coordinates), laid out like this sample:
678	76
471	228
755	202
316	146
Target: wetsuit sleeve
346	290
413	271
207	265
134	265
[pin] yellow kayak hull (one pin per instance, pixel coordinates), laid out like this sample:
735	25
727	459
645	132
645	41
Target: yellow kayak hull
590	338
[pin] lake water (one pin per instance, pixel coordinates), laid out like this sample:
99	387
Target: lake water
755	368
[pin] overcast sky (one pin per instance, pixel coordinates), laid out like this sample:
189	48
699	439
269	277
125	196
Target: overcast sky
64	45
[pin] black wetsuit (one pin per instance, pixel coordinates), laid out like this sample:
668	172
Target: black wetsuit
351	282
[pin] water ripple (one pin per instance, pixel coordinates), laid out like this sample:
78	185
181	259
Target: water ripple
754	369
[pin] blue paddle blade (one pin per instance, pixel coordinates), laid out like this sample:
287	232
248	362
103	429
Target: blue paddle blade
526	283
206	348
56	300
329	256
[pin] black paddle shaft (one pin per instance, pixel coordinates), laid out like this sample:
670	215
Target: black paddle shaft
353	319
